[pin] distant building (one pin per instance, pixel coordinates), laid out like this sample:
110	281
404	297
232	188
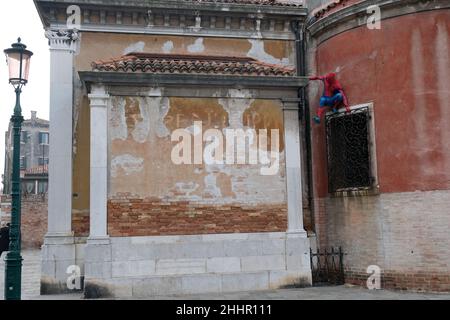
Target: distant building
34	156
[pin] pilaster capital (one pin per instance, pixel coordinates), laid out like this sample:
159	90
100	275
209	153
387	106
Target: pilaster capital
62	39
99	96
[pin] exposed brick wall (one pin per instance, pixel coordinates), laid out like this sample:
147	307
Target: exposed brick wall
81	223
421	281
405	234
34	219
137	217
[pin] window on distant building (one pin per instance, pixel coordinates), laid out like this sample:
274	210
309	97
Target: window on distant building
24	137
23	163
351	151
29	187
42	187
43	161
44	138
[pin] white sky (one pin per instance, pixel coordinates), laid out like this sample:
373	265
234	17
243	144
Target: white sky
19	18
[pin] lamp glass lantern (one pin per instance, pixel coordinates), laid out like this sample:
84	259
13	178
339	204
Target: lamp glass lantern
18	59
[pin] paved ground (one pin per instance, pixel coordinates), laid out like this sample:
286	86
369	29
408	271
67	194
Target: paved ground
31	276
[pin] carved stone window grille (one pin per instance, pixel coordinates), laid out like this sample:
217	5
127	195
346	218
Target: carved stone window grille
349	151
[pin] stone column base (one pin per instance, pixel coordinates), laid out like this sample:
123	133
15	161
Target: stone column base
98	267
58	255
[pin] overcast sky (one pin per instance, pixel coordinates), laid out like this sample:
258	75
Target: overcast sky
20	18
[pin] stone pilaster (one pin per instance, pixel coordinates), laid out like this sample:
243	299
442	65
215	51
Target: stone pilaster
297	242
59	248
98	257
293	168
99	101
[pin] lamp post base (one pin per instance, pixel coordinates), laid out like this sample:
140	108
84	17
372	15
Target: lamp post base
13	276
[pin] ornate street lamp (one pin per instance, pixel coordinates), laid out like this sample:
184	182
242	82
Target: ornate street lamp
18	60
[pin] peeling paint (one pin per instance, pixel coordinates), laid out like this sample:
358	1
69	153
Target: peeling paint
135	47
128	163
206	183
211	188
197	47
162	131
258	52
168	47
185	190
137	118
117	120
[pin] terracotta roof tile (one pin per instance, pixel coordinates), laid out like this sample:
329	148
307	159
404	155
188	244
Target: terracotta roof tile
192	64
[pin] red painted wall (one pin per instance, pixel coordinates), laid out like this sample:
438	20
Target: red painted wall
404	69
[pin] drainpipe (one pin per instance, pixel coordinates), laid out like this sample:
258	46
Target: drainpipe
300	34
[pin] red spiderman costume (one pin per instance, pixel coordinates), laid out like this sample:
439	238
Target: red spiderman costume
333	96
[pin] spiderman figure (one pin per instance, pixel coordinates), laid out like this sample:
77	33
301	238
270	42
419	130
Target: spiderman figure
333	96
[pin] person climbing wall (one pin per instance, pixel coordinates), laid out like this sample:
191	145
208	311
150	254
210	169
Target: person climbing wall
333	96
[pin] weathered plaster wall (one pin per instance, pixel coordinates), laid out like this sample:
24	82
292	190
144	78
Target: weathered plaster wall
150	195
98	46
94	46
403	70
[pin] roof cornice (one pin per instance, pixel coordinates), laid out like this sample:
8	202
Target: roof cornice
176	17
356	15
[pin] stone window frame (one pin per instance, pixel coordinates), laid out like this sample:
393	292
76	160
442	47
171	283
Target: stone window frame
41	134
43	161
374	189
23	163
24	137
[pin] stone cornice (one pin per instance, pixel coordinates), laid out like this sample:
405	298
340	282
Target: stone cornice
356	15
177	18
181	6
158	80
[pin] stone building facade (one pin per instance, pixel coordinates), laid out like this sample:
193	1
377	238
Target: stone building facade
400	222
135	220
139	223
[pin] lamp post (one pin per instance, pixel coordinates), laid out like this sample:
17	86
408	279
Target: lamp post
18	60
